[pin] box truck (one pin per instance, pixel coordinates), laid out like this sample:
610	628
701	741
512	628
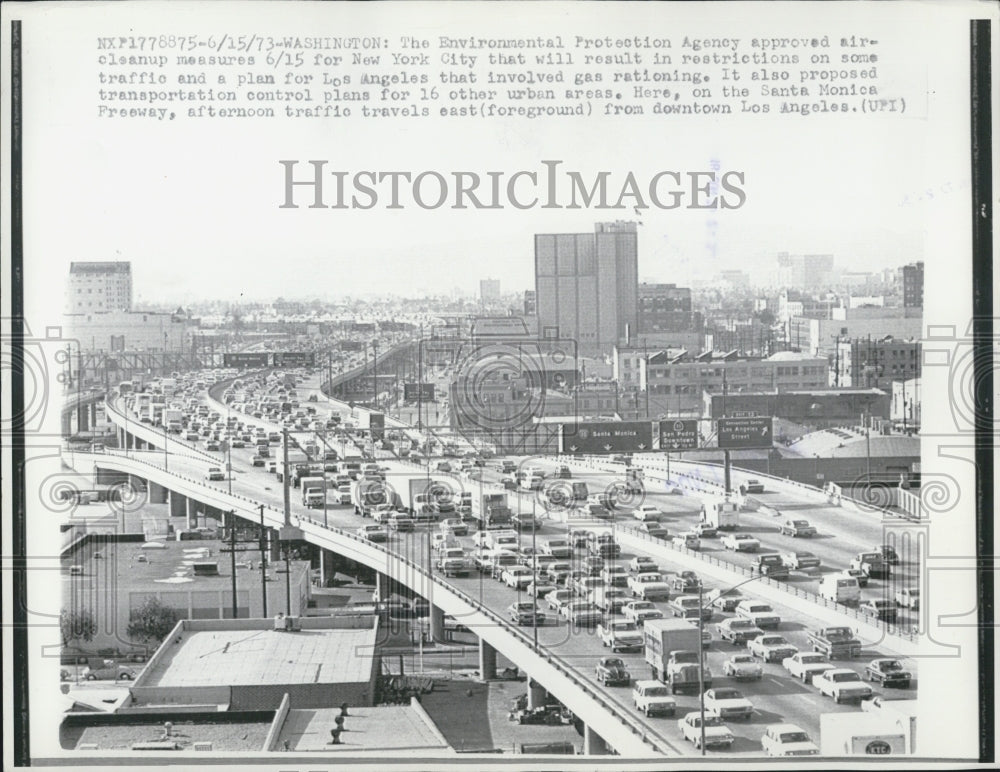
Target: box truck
491	511
673	648
863	734
721	514
314	491
173	420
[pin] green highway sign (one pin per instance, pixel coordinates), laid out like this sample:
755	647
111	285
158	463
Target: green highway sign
743	433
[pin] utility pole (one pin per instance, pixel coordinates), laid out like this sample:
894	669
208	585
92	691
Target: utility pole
420	378
263	560
284	478
726	459
375	373
701	662
232	556
288	582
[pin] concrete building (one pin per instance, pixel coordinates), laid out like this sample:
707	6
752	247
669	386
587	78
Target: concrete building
876	362
912	279
530	303
676	380
489	290
587	286
819	337
665	308
99	287
130	331
811	408
804	271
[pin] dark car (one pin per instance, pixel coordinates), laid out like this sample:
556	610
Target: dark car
889	554
888	672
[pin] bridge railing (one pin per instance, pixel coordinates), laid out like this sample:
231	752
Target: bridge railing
645	733
140	430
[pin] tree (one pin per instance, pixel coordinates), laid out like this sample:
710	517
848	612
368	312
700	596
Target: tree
152	621
76	625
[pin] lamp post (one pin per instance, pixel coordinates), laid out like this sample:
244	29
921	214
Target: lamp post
263	561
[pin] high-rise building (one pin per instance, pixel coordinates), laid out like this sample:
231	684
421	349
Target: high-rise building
804	271
664	308
99	287
489	290
587	286
530	303
913	285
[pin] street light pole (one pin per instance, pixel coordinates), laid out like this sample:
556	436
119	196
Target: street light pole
232	556
263	561
701	667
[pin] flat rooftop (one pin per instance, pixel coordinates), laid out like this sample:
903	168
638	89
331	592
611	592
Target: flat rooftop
389	728
224	736
236	657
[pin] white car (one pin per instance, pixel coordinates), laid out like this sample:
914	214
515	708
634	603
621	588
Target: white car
640	610
653	698
643	565
558	598
373	533
752	486
743	667
517	577
620	635
761	614
841	684
728	703
740	542
717	734
215	473
806	664
647	513
687	540
787	740
771	648
908	598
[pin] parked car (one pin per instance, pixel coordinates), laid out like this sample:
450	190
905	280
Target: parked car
888	672
743	667
787	740
109	671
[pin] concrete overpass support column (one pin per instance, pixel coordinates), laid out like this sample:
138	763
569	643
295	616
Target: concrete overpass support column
593	744
67	424
82	414
381	586
536	694
179	505
157	493
437	624
191	511
275	545
487	661
93	414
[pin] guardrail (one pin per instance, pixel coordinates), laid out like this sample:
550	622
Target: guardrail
138	429
643	732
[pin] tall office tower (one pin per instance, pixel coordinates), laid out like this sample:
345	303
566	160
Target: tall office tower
587	286
99	287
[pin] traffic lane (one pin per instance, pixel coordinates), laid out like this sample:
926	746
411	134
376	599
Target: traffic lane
581	648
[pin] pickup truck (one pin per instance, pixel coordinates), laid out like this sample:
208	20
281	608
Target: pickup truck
771	565
558	599
872	564
611	671
685	582
616	576
771	648
620	635
835	642
653	698
794	527
800	561
842	684
557	548
646	513
705	530
717	734
610	600
740	542
454	562
649	586
727	600
758	612
805	664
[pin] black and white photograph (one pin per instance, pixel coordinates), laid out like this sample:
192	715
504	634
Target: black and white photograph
498	385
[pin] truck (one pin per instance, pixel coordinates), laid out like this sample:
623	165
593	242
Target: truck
903	712
723	515
368	495
862	734
491	511
835	642
418	497
673	648
580	491
173	420
314	491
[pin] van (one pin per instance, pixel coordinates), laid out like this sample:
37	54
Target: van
840	588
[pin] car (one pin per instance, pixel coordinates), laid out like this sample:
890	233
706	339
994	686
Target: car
717	734
725	599
685	581
841	684
611	671
558	599
737	631
215	473
582	613
257	460
687	540
743	667
647	513
705	530
888	672
888	553
795	527
689	607
593	565
873	564
740	542
212	445
557	548
109	671
579	538
616	576
620	635
238	443
517	577
525	613
373	533
770	565
908	598
728	703
787	740
758	612
655	530
455	525
642	564
509	483
771	648
640	610
800	561
564	473
540	588
881	609
858	574
806	664
653	698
